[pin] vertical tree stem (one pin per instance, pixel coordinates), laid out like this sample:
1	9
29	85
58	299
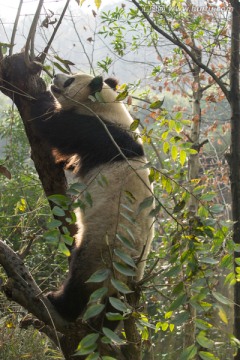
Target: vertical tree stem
235	151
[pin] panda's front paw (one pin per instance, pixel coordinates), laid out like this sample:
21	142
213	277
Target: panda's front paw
63	305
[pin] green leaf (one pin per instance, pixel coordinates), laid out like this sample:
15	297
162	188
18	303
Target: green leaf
202	324
165	135
222	299
179	206
166	147
204	341
204	355
146	203
65	62
174	152
92	311
222	314
98	294
60	200
156	104
52	236
127	243
93	356
118	304
183	157
108	358
208	260
122	95
87	345
188	353
178	302
68	240
114	316
217	208
64	249
125	270
99	276
76	188
125	257
88	198
134	125
112	336
88	341
181	318
175	270
53	224
59	67
98	3
58	211
209	196
120	286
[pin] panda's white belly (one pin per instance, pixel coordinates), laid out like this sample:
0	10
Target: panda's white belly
116	191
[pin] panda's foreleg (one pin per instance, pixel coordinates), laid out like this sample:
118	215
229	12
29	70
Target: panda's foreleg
72	297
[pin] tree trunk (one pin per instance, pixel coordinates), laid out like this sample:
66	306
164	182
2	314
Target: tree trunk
22	85
235	151
193	173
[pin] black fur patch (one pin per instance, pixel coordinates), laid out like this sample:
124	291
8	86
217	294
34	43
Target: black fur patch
112	82
87	136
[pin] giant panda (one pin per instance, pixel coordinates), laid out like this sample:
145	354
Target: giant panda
89	131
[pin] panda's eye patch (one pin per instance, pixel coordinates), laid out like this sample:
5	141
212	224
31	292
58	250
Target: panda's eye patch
69	82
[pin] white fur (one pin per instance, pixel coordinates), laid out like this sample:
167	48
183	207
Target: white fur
115	201
76	96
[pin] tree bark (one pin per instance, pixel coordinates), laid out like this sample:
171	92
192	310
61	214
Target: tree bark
235	151
22	85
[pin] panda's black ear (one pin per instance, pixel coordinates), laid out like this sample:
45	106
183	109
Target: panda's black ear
112	82
96	84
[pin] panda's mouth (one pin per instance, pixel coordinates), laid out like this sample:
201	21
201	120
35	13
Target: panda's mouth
55	89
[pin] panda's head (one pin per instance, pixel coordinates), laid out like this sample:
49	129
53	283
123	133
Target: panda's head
73	90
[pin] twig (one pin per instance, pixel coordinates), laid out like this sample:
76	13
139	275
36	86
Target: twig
42	57
15	27
80	40
180	44
31	34
22	288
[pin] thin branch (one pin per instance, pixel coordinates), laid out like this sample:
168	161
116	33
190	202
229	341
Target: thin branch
209	85
32	32
42	57
15	27
80	40
178	43
22	288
